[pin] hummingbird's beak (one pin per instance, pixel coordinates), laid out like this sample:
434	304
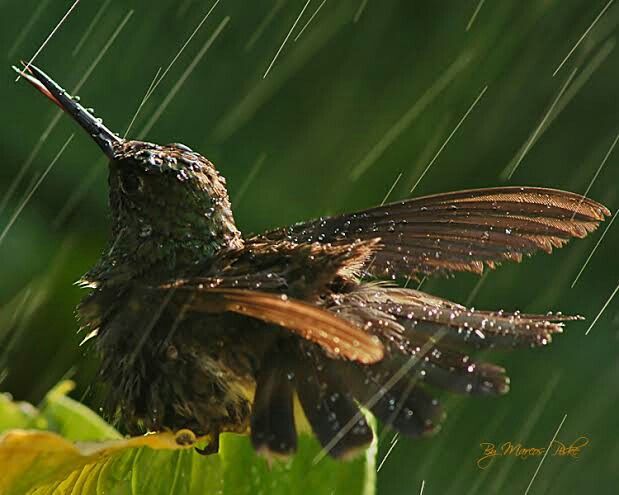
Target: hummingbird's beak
105	138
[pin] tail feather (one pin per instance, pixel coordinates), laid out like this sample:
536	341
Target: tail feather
401	404
334	416
396	389
273	430
472	378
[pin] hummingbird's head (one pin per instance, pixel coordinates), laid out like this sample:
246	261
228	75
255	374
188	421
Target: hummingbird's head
166	201
169	192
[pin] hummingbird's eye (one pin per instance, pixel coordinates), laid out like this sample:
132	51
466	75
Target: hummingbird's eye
131	183
181	146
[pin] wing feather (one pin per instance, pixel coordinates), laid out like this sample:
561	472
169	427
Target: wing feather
338	337
458	231
412	316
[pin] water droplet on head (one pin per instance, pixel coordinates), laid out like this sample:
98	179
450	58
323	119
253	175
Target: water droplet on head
146	231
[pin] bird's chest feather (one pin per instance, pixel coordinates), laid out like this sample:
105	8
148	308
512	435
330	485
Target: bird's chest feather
167	367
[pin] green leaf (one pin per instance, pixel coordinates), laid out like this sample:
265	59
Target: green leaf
73	420
46	462
15	414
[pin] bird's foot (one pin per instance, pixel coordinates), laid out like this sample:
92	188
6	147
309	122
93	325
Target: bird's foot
185	437
212	447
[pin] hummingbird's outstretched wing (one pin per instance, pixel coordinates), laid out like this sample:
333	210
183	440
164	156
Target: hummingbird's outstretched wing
457	231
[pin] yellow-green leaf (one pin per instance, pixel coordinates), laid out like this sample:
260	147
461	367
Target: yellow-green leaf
44	462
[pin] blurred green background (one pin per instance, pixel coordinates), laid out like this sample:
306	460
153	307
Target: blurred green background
369	90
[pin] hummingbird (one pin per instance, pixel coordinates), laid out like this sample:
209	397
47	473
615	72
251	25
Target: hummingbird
199	327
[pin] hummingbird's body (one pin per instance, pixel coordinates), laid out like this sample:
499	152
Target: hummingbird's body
156	356
200	327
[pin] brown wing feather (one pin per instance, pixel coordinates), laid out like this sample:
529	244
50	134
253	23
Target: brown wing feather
458	231
335	335
406	314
